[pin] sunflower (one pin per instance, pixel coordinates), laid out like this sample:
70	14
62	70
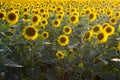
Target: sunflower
12	17
42	10
42	27
26	17
73	10
16	11
45	15
35	19
75	13
88	35
59	54
59	16
102	37
113	20
56	23
110	30
44	22
67	29
25	9
109	12
58	9
105	25
45	34
68	13
117	14
87	11
73	19
97	28
61	12
63	40
30	33
2	15
92	16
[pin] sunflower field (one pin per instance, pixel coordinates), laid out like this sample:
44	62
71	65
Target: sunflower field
59	40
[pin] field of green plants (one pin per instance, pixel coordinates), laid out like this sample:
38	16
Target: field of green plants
59	40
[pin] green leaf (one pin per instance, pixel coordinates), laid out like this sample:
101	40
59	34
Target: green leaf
81	65
51	75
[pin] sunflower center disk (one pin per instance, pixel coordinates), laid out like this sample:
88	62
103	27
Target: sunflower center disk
12	16
30	32
35	19
63	40
100	36
1	15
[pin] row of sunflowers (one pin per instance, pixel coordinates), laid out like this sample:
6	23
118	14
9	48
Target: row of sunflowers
59	39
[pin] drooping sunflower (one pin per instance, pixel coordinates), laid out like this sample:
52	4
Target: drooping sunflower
113	20
12	17
102	37
63	40
56	23
45	34
88	35
67	30
92	16
96	29
30	33
110	30
59	54
35	19
73	19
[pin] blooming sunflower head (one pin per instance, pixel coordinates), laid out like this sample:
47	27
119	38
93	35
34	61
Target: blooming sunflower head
113	20
73	19
97	28
12	17
63	40
109	30
88	35
45	34
60	54
44	22
35	20
30	33
2	15
67	30
56	23
92	16
102	37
